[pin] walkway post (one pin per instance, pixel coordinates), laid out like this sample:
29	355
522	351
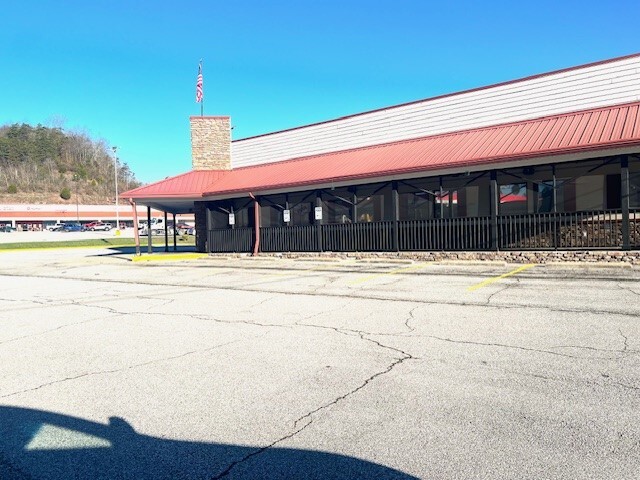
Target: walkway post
556	229
175	230
319	221
395	206
136	232
166	233
149	244
624	194
494	201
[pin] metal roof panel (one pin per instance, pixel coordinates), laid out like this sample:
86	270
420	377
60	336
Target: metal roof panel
578	131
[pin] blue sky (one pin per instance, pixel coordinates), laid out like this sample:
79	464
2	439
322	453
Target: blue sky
125	71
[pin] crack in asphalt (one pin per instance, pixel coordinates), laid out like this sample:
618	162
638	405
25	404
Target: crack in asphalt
440	302
500	345
506	287
566	380
409	318
43	332
628	289
626	340
122	369
625	348
307	418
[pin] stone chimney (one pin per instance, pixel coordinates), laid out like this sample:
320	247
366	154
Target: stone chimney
210	143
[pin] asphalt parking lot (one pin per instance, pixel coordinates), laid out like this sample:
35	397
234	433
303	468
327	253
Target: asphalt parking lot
315	368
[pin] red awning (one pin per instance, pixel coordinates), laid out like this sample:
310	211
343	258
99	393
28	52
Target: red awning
589	130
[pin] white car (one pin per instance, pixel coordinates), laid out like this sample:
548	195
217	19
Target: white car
100	226
55	228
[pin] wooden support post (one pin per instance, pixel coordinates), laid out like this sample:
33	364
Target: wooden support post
441	199
256	225
354	206
494	202
624	194
166	233
175	233
319	222
555	189
149	240
136	232
395	206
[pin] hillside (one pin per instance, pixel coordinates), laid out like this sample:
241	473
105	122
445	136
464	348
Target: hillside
50	165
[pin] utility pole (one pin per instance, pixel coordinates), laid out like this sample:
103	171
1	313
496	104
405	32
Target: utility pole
115	167
76	177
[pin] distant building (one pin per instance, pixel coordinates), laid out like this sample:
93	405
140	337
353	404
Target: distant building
545	162
28	217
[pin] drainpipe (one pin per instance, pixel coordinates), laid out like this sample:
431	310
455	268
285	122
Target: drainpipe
135	226
256	228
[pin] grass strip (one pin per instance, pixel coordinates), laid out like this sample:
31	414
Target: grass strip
95	242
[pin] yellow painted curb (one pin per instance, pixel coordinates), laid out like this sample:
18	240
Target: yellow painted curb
168	257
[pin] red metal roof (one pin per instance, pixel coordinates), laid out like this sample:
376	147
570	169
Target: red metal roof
186	185
595	129
587	130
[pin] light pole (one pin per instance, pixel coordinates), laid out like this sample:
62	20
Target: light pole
115	167
76	177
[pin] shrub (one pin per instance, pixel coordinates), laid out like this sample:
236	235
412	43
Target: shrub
65	194
12	189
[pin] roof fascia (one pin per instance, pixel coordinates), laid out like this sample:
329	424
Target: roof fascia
535	161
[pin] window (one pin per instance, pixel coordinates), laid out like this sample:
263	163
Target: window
544	202
271	208
337	206
513	199
373	203
416	199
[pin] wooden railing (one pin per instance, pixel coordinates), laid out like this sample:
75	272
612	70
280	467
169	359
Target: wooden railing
300	238
357	237
227	240
473	233
597	229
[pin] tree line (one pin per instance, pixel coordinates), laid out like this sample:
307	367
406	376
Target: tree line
49	160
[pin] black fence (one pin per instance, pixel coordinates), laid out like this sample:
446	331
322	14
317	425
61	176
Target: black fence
302	238
473	233
358	237
598	229
228	240
634	228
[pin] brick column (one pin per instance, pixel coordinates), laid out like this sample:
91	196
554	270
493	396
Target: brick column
210	143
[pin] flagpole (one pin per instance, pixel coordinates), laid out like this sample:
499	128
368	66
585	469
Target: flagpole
202	102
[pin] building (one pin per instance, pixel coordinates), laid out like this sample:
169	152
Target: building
545	162
28	217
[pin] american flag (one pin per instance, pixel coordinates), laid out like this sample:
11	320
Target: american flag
199	92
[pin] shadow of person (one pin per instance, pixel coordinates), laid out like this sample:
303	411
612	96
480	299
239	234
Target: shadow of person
44	445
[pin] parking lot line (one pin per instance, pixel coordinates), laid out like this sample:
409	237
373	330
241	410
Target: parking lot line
392	272
491	280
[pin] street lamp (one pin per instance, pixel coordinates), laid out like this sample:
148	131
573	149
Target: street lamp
76	177
115	167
